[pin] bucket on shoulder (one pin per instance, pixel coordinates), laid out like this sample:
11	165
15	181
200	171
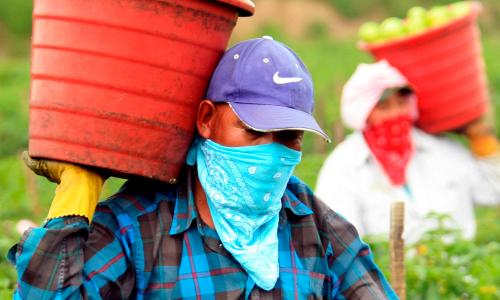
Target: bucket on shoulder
115	84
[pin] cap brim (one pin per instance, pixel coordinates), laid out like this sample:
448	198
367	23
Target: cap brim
268	118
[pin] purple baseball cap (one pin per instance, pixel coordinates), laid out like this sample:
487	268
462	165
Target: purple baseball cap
267	86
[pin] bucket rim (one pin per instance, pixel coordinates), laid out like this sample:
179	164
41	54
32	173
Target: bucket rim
246	8
433	31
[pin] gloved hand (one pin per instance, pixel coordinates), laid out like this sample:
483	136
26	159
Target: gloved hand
482	139
78	188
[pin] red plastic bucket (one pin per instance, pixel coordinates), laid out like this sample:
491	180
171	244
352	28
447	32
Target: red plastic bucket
116	84
446	66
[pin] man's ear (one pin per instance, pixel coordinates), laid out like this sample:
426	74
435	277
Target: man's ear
206	118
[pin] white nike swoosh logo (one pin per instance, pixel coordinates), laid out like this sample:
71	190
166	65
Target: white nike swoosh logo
284	80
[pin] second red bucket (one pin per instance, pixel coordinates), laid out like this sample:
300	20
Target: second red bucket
116	84
446	66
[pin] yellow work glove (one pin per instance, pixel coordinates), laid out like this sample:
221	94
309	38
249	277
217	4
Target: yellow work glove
78	188
484	146
482	139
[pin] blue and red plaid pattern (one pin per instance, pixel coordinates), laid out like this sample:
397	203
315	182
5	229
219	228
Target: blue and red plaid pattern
147	242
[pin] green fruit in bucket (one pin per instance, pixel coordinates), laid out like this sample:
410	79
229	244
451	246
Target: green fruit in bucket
438	15
417	13
369	32
460	9
392	28
414	26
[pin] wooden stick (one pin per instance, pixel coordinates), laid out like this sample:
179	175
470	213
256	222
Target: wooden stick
397	249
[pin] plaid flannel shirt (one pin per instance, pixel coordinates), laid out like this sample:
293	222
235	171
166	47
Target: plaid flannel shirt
147	242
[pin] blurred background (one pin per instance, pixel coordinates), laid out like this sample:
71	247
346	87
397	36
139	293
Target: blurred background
324	34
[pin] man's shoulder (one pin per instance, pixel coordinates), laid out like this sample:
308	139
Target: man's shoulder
440	145
296	185
324	215
301	192
135	198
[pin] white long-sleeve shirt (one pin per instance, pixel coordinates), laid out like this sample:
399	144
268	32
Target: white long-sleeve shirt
442	177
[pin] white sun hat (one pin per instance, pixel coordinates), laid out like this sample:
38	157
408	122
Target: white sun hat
365	88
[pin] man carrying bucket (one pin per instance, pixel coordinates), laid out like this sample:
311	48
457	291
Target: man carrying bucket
387	160
237	224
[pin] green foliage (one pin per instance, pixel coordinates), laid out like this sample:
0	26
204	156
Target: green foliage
489	223
317	30
358	8
16	16
14	194
351	9
14	97
388	7
271	29
491	46
442	265
452	269
6	294
7	272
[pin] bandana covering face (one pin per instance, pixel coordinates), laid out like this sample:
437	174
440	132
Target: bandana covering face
390	143
244	186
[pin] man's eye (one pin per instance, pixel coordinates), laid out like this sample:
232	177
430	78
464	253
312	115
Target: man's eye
291	136
254	133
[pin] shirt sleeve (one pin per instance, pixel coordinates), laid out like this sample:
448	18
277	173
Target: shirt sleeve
352	262
69	259
486	184
480	174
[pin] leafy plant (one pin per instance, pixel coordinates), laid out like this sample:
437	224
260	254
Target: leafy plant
14	96
16	16
442	265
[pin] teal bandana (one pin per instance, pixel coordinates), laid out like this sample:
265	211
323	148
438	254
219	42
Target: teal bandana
244	186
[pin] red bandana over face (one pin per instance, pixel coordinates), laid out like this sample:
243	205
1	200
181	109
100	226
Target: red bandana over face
391	144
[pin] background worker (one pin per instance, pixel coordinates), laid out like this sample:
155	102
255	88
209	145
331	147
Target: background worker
387	159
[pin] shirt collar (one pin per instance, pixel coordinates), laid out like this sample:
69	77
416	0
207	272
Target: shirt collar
294	205
185	209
